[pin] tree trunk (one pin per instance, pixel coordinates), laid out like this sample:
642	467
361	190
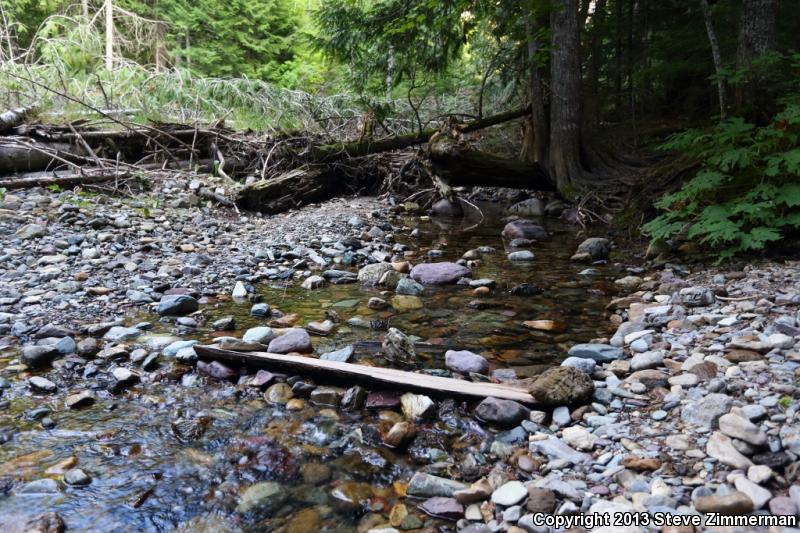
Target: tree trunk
593	101
536	137
565	79
109	12
715	54
757	36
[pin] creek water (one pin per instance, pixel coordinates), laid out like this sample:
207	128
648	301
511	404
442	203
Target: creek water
176	451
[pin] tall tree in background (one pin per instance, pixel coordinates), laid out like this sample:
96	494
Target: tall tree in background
716	56
757	36
565	99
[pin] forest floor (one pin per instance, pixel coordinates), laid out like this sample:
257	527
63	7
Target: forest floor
694	396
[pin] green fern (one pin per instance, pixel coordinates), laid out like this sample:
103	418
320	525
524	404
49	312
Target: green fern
746	194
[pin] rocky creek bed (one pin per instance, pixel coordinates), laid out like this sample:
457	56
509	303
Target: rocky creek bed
659	391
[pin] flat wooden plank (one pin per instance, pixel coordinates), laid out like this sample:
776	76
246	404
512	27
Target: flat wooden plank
371	375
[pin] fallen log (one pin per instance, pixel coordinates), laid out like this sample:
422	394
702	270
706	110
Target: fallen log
66	180
333	152
462	166
337	372
291	189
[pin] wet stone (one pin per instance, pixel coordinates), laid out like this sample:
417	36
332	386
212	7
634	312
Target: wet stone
77	477
439	507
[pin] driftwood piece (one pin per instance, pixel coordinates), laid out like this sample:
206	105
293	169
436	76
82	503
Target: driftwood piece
24	156
64	180
334	371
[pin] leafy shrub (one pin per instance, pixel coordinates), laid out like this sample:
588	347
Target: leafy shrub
747	191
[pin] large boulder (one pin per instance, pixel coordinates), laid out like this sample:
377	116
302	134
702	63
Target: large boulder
525	229
294	340
563	385
439	273
532	207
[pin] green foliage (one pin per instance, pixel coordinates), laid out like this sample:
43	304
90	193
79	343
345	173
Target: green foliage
747	192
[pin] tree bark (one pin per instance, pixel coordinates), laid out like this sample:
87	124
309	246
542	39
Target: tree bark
717	57
593	100
565	124
757	36
536	135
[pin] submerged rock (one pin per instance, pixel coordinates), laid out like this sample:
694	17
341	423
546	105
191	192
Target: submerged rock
427	486
262	498
525	229
446	208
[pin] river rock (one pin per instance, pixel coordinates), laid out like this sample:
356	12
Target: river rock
602	353
465	362
30	231
522	255
217	370
370	275
259	335
38	356
555	448
279	393
447	508
532	207
416	406
584	365
425	485
505	413
398	348
77	477
404	302
262	498
80	399
342	355
121	334
439	273
41	384
177	304
509	494
579	438
734	503
646	360
446	208
293	340
740	428
400	434
409	287
696	296
563	385
598	248
706	411
525	229
758	495
313	282
721	447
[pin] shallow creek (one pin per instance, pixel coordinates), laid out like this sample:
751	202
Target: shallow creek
331	462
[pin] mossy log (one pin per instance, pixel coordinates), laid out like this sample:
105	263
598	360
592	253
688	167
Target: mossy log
291	189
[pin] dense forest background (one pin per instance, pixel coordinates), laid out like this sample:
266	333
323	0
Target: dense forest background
711	88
